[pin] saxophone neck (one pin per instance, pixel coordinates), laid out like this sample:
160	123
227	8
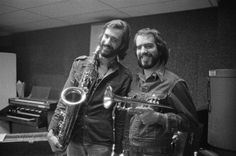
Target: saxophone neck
94	56
96	52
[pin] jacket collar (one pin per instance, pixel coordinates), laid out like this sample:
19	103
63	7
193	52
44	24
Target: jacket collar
158	74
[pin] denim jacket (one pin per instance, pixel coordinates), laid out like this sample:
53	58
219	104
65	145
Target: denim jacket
171	91
94	124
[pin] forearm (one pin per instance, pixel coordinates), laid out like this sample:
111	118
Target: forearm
170	121
176	122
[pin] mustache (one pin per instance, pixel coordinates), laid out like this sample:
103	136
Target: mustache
107	46
146	54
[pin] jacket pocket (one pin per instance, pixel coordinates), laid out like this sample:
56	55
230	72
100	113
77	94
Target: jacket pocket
144	133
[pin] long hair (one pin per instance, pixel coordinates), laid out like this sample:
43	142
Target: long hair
160	43
121	25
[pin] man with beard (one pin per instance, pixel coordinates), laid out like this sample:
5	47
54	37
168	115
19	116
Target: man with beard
151	127
92	134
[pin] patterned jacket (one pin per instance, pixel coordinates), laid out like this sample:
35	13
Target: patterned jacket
171	91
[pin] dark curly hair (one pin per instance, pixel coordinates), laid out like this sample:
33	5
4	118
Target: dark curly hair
160	43
124	26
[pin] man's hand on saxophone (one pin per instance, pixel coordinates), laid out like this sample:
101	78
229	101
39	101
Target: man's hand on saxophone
53	142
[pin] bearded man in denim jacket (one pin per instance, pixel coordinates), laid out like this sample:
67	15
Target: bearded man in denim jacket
151	130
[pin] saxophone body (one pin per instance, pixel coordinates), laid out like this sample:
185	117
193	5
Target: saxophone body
73	98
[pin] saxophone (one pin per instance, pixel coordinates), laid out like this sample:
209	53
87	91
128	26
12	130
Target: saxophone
72	98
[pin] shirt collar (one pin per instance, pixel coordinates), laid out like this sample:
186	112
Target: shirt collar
158	74
112	64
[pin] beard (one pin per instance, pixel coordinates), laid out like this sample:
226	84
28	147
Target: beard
108	51
147	60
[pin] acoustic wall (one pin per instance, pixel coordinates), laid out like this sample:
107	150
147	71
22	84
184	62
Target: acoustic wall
7	82
96	29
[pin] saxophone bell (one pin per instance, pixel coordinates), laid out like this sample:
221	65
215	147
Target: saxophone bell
73	95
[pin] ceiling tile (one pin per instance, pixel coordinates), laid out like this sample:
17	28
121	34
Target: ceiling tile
69	8
128	3
28	3
49	23
156	8
6	9
19	17
95	16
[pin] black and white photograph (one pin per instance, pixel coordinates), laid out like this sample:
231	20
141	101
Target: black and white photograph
117	78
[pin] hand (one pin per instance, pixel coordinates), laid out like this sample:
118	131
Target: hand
138	110
53	142
149	116
115	154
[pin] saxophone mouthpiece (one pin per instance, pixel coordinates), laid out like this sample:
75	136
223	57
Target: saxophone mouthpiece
98	48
